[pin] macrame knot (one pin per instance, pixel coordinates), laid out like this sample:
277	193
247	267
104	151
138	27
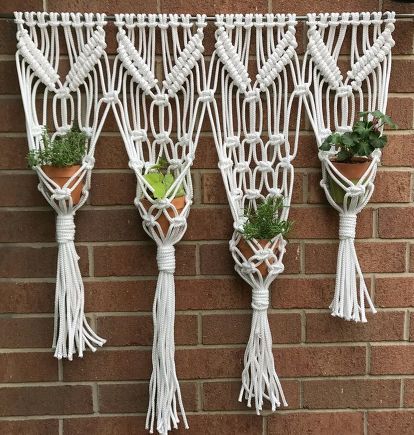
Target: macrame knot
140	135
344	91
61	194
276	139
225	163
302	89
161	138
63	92
136	165
111	97
89	162
252	96
207	95
260	299
242	167
285	162
166	258
65	228
253	137
358	190
347	225
264	166
232	142
161	100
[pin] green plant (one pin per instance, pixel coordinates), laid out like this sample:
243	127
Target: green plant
264	223
161	179
364	138
66	150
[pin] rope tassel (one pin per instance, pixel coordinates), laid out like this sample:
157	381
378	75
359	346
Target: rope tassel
259	377
71	330
164	389
349	301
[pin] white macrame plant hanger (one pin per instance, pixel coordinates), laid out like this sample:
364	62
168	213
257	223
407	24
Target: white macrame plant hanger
333	106
250	122
159	112
44	43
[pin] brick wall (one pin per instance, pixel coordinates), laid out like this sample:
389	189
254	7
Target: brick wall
339	377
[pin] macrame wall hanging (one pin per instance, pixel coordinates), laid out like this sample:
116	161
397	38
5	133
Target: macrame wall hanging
158	74
332	106
47	45
250	122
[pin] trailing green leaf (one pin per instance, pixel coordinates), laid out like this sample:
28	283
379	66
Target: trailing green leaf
364	138
66	150
264	222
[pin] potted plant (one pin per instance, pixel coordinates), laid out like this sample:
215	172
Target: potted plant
161	179
61	158
355	147
263	225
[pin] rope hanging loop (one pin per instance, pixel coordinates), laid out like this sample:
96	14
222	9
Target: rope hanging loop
65	103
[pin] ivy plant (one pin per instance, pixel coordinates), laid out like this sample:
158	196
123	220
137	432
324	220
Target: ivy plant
263	222
161	179
66	150
364	138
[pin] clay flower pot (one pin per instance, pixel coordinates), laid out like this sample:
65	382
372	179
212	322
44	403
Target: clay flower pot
61	175
354	171
247	251
178	203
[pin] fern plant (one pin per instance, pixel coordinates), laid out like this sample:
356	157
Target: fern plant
264	223
66	150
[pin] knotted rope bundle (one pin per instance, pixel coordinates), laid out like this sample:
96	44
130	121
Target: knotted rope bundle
365	88
76	99
250	124
161	122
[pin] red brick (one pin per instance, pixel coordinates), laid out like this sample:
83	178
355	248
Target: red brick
307	156
29	427
411	266
107	7
127	260
19	262
224	396
394	292
399	150
114	188
210	266
13	151
397	359
211	7
51	400
383	326
235	328
107	225
352	393
396	223
302	8
9	6
28	367
138	330
206	155
20	332
130	425
401	111
119	295
373	257
323	223
399	7
109	365
313	423
320	361
390	422
392	187
402	71
209	224
409	393
302	293
123	398
27	226
20	190
26	297
12	115
9	83
411	327
403	35
110	153
8	40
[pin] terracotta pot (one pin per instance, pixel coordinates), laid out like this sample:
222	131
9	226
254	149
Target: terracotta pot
354	171
178	203
247	251
61	175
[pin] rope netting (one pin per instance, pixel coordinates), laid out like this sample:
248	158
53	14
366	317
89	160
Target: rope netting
250	123
158	75
75	44
333	106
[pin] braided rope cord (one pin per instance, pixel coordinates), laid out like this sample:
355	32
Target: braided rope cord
52	103
365	88
161	118
250	123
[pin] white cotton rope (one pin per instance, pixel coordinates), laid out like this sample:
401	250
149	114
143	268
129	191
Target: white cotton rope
39	37
250	121
145	110
365	88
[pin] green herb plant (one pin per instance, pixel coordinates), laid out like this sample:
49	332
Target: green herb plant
66	150
364	138
161	179
264	223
